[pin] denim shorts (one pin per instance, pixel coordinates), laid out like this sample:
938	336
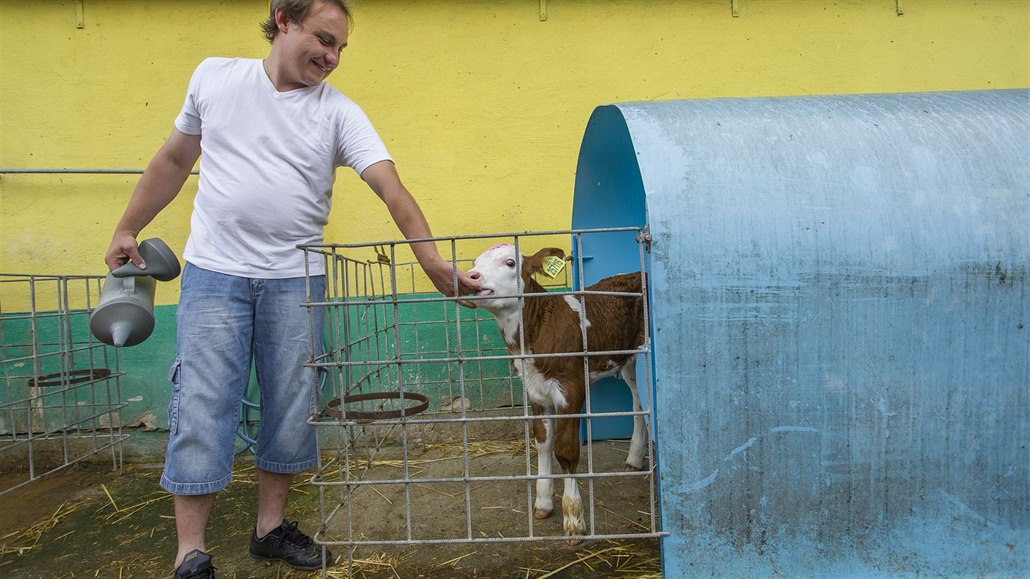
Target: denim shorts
224	323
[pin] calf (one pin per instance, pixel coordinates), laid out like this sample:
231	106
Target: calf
556	385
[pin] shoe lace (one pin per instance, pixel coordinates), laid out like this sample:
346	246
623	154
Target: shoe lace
293	535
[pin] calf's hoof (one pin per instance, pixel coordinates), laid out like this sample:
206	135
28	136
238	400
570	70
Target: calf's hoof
575	531
541	513
631	466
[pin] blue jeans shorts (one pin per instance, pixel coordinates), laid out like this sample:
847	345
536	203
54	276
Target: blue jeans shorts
225	322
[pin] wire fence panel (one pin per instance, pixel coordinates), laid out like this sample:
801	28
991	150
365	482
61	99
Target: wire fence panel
426	434
61	398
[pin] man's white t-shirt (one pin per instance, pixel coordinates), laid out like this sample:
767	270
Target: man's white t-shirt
267	167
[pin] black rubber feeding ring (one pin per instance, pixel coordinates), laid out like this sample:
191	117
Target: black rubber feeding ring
73	377
332	408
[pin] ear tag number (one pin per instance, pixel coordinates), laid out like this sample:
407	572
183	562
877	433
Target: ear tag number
553	266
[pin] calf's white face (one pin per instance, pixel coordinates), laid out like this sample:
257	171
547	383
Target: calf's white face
498	272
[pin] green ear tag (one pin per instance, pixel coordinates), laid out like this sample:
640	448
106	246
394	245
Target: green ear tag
553	265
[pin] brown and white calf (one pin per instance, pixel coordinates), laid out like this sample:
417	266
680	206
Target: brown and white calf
556	385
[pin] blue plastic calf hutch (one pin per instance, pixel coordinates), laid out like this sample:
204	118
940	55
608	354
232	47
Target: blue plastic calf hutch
839	308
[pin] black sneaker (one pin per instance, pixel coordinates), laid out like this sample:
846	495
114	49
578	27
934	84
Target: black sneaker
288	544
195	565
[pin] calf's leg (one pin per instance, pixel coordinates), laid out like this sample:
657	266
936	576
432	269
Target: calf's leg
543	440
566	450
638	444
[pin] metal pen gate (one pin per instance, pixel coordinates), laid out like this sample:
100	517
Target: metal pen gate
423	428
61	395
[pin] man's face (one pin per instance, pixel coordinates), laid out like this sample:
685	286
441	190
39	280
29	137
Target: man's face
311	48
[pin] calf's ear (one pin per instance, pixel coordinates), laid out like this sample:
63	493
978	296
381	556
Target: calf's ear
535	264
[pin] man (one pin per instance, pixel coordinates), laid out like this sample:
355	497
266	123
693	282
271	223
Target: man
272	133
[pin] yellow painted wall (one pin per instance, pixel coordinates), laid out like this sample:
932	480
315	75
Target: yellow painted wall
482	104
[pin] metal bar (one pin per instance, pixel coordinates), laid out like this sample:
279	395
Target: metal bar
472	419
612	537
514	235
649	427
581	283
316	480
417	361
371	302
66	171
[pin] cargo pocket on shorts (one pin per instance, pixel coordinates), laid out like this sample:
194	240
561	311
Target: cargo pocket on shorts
174	374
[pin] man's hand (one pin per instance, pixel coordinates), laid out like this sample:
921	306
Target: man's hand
123	249
441	273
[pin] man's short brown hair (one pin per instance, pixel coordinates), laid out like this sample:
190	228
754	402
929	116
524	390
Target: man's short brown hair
296	11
